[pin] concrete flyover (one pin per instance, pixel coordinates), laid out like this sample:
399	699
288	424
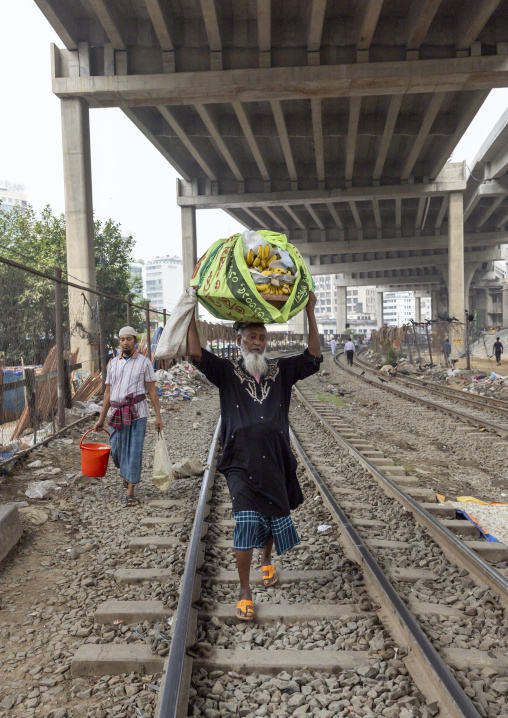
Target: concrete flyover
330	121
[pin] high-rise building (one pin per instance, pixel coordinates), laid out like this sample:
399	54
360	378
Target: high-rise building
163	281
360	300
398	308
12	195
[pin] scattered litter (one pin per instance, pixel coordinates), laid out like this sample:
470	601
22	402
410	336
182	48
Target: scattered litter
41	489
36	516
35	464
323	527
188	467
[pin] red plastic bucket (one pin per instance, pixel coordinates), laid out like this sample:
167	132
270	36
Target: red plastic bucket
94	457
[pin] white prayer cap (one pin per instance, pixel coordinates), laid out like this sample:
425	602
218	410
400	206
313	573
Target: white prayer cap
127	330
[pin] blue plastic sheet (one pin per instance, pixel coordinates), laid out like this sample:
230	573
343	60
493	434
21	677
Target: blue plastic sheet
13	400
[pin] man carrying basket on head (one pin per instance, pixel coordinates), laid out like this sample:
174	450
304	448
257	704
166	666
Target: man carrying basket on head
257	461
129	376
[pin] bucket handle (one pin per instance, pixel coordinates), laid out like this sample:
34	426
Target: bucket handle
87	432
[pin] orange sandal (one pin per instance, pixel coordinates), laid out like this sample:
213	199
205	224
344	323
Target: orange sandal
271	577
245	610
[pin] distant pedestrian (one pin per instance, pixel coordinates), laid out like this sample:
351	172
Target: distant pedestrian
349	351
129	376
447	349
333	345
498	350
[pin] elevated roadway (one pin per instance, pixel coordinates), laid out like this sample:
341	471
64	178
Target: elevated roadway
330	121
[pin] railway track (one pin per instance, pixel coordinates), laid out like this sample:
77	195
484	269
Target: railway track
405	619
447	404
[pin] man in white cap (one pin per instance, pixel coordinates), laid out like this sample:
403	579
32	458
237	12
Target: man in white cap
129	376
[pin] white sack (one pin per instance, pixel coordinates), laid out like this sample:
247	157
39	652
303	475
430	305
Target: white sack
173	341
162	467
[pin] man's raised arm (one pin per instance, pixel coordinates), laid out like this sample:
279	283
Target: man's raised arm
193	344
314	346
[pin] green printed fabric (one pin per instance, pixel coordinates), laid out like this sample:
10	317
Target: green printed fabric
227	290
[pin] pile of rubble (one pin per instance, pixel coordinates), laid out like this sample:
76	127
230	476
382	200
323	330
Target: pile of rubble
182	382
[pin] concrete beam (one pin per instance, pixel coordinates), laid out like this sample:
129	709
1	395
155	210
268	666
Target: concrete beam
379	265
288	83
264	26
314	216
356	216
367	16
451	179
499	165
210	123
472	19
175	125
294	216
427	122
441	214
377	217
284	141
211	21
162	23
354	116
260	222
317	131
420	17
156	142
62	20
388	283
493	188
466	112
391	119
489	211
245	124
112	22
336	218
394	244
316	19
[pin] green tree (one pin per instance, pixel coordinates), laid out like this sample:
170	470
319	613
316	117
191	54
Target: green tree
27	320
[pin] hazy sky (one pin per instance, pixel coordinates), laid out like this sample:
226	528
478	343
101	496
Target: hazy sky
132	183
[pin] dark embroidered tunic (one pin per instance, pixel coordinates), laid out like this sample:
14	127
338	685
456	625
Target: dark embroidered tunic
257	459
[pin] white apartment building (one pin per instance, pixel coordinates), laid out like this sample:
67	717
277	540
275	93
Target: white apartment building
163	281
12	195
398	308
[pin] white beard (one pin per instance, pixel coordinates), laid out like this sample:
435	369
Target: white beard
255	364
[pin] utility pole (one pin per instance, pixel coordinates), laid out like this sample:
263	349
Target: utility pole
468	353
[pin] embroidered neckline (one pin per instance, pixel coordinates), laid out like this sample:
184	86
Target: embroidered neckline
251	387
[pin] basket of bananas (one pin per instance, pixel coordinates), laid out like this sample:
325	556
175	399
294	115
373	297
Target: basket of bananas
273	275
251	277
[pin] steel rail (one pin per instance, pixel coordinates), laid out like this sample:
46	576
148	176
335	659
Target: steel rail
402	624
172	676
456	550
466	418
482	402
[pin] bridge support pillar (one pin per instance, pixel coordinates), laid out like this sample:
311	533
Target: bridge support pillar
418	310
341	309
79	227
456	264
189	244
379	310
504	297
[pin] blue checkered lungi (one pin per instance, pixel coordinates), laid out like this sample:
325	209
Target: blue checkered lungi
127	449
253	530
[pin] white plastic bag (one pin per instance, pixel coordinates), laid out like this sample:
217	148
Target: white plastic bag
173	341
41	489
162	467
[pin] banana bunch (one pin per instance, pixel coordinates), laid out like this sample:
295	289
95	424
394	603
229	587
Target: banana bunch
262	259
283	289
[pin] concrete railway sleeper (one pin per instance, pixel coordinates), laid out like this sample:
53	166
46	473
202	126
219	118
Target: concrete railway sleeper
446	406
400	545
344	644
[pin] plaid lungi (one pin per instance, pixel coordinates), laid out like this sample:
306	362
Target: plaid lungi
127	450
253	530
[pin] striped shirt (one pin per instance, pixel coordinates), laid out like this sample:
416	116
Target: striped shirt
130	376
